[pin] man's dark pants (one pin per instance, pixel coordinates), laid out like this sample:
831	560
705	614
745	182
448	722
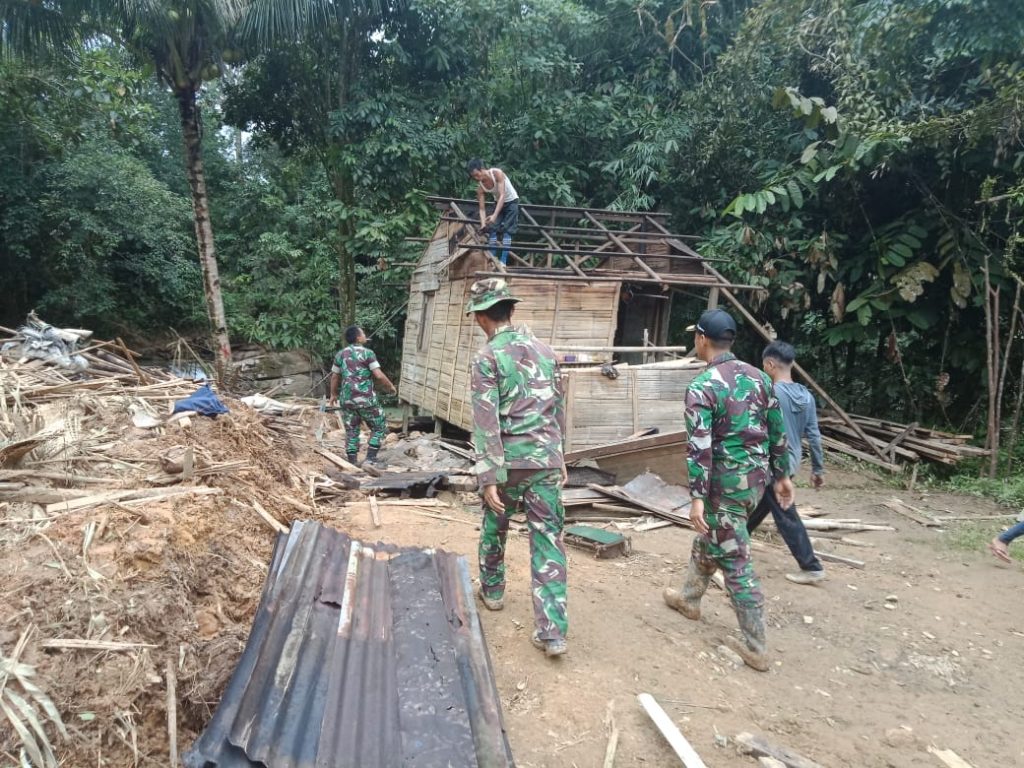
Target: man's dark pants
790	527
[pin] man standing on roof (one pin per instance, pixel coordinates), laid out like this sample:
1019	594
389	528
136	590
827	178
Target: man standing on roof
504	220
736	447
518	426
356	368
800	415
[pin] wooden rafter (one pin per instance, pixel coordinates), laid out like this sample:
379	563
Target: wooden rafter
626	250
553	243
756	325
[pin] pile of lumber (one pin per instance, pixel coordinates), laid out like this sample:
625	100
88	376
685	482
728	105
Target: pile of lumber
644	503
897	443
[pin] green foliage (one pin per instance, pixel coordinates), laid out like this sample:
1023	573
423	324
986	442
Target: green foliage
857	160
125	263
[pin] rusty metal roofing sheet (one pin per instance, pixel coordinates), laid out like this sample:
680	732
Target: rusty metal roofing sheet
360	656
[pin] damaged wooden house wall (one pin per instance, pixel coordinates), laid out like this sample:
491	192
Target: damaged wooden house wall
594	284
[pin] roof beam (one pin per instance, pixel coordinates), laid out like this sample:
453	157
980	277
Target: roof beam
626	250
724	286
551	241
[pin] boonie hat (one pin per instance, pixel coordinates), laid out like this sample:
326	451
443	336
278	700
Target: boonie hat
484	294
716	324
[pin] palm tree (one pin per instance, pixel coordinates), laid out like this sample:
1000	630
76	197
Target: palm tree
182	40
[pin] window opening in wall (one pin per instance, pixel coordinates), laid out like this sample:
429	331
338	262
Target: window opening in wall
426	320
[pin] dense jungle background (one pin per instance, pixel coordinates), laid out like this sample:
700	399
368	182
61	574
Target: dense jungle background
863	160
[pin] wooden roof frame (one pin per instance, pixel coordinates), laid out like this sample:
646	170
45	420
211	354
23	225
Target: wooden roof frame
555	226
583	239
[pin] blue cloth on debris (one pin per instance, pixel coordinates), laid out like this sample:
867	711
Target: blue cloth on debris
202	401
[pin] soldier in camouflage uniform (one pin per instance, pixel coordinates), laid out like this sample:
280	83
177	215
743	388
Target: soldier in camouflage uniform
518	424
736	446
355	369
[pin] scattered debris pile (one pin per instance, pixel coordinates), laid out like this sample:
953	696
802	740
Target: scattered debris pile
132	549
359	655
897	443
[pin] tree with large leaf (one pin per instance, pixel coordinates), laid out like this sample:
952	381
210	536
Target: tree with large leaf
183	42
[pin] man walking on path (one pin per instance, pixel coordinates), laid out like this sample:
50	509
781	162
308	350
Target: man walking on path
504	220
356	369
518	427
800	415
736	447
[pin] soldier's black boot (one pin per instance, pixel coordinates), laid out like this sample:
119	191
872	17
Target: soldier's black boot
353	458
371	457
752	649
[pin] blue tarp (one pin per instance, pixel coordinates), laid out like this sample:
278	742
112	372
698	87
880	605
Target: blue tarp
202	401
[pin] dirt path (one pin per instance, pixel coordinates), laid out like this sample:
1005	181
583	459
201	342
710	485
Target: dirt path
920	648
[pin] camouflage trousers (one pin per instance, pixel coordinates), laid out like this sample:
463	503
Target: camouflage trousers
727	545
538	493
372	416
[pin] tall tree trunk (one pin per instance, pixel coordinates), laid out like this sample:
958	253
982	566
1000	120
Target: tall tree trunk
190	130
992	366
342	185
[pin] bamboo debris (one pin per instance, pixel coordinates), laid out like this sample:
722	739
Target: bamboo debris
77	644
896	441
911	513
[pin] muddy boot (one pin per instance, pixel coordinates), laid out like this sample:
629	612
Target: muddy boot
687	601
752	649
371	458
353	458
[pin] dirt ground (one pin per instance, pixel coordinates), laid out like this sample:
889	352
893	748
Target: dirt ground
871	668
920	648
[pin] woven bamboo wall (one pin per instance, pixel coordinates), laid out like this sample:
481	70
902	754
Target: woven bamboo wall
440	340
602	410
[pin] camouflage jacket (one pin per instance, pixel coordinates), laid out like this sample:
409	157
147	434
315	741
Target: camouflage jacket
735	431
518	408
355	364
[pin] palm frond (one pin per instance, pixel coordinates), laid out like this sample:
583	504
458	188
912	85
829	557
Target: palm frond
23	711
266	22
33	29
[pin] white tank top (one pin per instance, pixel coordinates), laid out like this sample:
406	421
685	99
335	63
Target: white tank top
510	191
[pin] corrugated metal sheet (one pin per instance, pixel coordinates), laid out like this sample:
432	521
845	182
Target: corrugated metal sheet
359	656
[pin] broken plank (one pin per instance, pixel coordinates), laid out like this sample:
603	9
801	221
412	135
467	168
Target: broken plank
838	445
94	645
817	524
629	510
912	513
399	503
269	519
950	758
759	746
375	512
829	557
341	463
683	749
129	495
616	492
446	518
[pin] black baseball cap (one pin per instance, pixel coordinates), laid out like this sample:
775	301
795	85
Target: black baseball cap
716	324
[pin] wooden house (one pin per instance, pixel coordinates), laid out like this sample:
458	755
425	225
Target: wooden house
596	285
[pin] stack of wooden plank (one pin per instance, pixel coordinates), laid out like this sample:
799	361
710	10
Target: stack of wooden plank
645	496
897	442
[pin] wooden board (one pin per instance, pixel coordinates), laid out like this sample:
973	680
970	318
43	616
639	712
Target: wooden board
759	746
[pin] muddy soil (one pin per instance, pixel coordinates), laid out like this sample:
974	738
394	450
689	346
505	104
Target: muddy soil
921	648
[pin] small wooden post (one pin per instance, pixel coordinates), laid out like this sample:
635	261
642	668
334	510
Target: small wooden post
406	414
713	298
